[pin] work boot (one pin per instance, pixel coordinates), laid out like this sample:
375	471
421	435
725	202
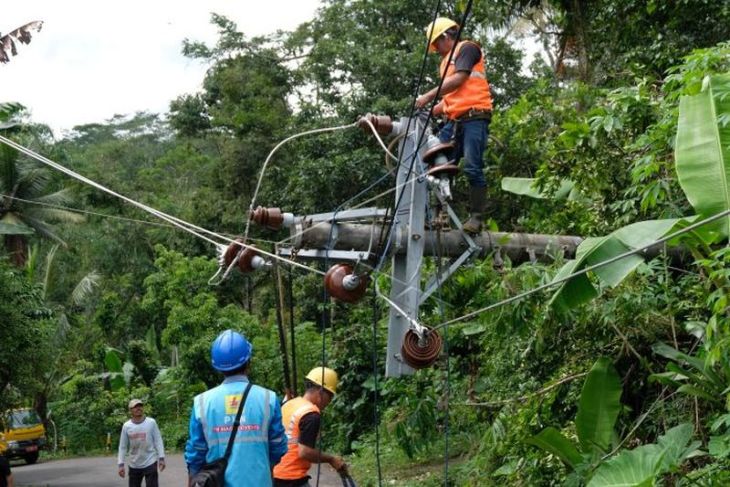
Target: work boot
477	203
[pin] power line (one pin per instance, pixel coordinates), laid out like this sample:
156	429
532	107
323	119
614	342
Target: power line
181	224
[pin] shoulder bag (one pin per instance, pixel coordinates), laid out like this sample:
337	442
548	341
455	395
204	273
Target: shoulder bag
213	474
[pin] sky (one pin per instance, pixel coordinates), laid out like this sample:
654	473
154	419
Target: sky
97	58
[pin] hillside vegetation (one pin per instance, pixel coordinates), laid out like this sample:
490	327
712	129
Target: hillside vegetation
619	377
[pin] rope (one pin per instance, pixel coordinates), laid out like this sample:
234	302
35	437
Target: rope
268	158
376	392
176	222
278	288
430	112
114	217
587	269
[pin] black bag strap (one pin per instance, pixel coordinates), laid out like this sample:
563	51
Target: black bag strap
237	422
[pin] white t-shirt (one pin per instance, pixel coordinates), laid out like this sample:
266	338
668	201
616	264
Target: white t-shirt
144	442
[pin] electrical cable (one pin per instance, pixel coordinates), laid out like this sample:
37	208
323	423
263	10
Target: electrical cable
588	269
113	217
271	154
176	222
467	10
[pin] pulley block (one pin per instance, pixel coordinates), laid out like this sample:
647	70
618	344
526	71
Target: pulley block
247	262
344	285
421	352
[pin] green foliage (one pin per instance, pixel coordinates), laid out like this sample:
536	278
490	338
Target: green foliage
703	151
27	325
511	373
703	170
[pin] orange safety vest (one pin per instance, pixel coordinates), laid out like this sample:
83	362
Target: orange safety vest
474	93
291	466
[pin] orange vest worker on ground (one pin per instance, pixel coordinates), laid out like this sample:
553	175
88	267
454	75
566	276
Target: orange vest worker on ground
301	418
466	102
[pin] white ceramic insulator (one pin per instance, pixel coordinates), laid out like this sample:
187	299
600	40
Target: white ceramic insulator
350	282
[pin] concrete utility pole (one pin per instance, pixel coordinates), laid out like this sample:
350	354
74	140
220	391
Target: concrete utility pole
518	247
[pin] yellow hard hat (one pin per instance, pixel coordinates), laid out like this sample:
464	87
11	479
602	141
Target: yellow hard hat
330	378
436	28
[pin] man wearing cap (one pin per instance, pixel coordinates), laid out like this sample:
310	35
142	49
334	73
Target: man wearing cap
146	451
260	441
466	103
301	417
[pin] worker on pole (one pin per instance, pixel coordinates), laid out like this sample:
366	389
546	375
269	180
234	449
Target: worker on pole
466	103
301	418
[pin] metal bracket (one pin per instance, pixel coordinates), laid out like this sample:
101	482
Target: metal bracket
322	254
348	215
473	249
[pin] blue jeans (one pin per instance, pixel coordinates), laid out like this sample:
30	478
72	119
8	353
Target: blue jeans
470	139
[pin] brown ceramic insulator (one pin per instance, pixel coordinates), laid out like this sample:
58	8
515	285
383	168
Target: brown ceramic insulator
271	218
334	284
449	169
382	123
421	353
244	262
431	153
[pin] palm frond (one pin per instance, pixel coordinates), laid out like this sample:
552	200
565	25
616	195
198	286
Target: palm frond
55	214
49	265
61	197
43	229
85	288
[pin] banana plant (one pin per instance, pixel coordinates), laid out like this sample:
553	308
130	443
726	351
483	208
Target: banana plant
119	374
693	375
591	460
529	187
702	157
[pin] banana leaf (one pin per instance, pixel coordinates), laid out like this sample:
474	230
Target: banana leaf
595	250
528	187
702	152
552	441
599	405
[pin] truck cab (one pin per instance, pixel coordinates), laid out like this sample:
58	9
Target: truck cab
22	435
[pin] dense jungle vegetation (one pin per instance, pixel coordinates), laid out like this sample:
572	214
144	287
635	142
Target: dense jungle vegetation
616	379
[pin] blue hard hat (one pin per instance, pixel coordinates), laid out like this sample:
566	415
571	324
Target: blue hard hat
229	351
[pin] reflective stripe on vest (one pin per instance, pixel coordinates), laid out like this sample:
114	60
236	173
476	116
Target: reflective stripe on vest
473	93
291	466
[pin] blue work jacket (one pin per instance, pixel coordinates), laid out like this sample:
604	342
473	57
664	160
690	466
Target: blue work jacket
260	441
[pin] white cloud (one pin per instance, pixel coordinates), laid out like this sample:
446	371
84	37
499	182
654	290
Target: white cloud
94	59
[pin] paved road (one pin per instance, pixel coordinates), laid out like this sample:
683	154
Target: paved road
102	472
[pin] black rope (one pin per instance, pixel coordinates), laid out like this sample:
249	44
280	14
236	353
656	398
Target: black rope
347	480
291	334
430	114
424	61
279	297
376	392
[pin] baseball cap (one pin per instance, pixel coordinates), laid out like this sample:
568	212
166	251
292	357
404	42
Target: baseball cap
135	402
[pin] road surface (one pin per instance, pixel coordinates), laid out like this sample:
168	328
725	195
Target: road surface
102	472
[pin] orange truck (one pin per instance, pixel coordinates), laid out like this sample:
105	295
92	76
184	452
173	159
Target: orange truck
22	435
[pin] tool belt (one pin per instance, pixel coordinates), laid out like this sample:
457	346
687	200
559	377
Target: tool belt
475	114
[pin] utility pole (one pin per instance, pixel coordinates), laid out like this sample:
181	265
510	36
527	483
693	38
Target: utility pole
349	238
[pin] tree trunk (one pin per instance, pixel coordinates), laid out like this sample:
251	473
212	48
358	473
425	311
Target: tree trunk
16	246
